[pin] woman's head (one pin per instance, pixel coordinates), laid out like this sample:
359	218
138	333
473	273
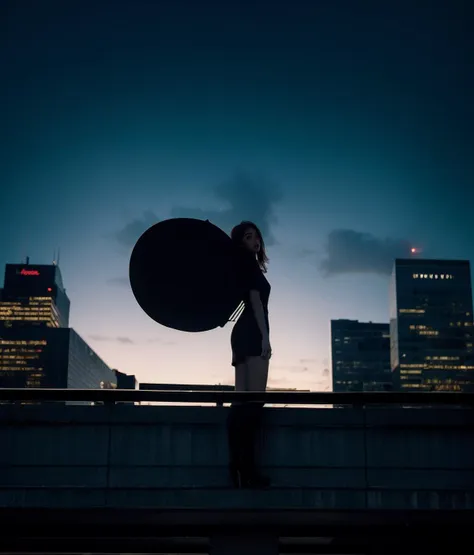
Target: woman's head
248	235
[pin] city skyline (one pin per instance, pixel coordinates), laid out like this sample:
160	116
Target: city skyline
343	132
356	348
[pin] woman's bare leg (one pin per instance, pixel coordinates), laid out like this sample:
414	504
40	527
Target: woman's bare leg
257	373
241	377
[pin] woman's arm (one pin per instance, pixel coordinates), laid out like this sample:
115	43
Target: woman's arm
257	307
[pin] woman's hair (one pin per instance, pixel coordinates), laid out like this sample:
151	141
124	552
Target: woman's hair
237	235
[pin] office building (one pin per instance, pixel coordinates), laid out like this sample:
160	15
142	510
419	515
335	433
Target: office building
360	356
49	357
431	325
37	348
33	295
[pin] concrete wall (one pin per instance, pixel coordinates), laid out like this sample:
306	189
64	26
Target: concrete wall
151	456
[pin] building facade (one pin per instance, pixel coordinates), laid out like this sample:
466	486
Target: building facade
49	357
33	296
360	356
37	348
431	325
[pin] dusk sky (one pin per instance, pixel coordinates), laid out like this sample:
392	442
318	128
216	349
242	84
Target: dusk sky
343	128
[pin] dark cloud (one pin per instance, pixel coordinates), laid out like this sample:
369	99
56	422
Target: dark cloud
125	340
119	281
122	340
248	197
131	232
349	251
128	341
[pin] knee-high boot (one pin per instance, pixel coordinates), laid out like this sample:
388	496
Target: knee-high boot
243	423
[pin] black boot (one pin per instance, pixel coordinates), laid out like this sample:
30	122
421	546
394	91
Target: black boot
234	436
243	424
251	476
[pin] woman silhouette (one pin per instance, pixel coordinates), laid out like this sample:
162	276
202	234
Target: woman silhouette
251	352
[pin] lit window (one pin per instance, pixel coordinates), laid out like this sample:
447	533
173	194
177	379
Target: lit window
442	276
431	276
415	276
436	276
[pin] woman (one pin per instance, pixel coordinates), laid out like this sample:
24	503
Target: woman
251	352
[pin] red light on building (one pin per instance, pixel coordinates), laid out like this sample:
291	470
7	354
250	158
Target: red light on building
49	289
29	272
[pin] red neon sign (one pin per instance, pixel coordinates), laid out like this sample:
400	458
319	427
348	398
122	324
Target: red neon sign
29	272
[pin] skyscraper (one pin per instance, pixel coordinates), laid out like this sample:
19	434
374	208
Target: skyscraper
360	356
33	295
431	325
37	348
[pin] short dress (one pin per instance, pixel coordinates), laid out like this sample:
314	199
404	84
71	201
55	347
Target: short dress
246	339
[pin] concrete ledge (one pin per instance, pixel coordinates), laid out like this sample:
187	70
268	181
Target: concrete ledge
128	456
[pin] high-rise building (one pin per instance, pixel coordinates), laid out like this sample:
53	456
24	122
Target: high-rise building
33	295
360	356
431	325
48	357
37	348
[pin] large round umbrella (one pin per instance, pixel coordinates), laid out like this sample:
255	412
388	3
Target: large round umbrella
183	273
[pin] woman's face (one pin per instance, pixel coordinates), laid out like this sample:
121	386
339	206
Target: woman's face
252	240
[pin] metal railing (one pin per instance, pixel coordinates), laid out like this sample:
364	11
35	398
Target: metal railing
220	397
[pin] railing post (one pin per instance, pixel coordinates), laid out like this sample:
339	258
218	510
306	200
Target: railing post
244	545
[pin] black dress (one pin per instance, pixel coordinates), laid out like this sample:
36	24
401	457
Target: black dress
246	339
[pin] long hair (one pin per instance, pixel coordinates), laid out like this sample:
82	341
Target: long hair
237	235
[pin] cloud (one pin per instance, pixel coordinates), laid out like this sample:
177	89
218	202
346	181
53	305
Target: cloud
131	232
119	281
122	340
125	340
247	197
349	251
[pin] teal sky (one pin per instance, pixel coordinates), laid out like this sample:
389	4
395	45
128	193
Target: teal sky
343	129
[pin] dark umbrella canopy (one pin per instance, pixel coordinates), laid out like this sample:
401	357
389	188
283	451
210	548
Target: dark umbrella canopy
183	273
